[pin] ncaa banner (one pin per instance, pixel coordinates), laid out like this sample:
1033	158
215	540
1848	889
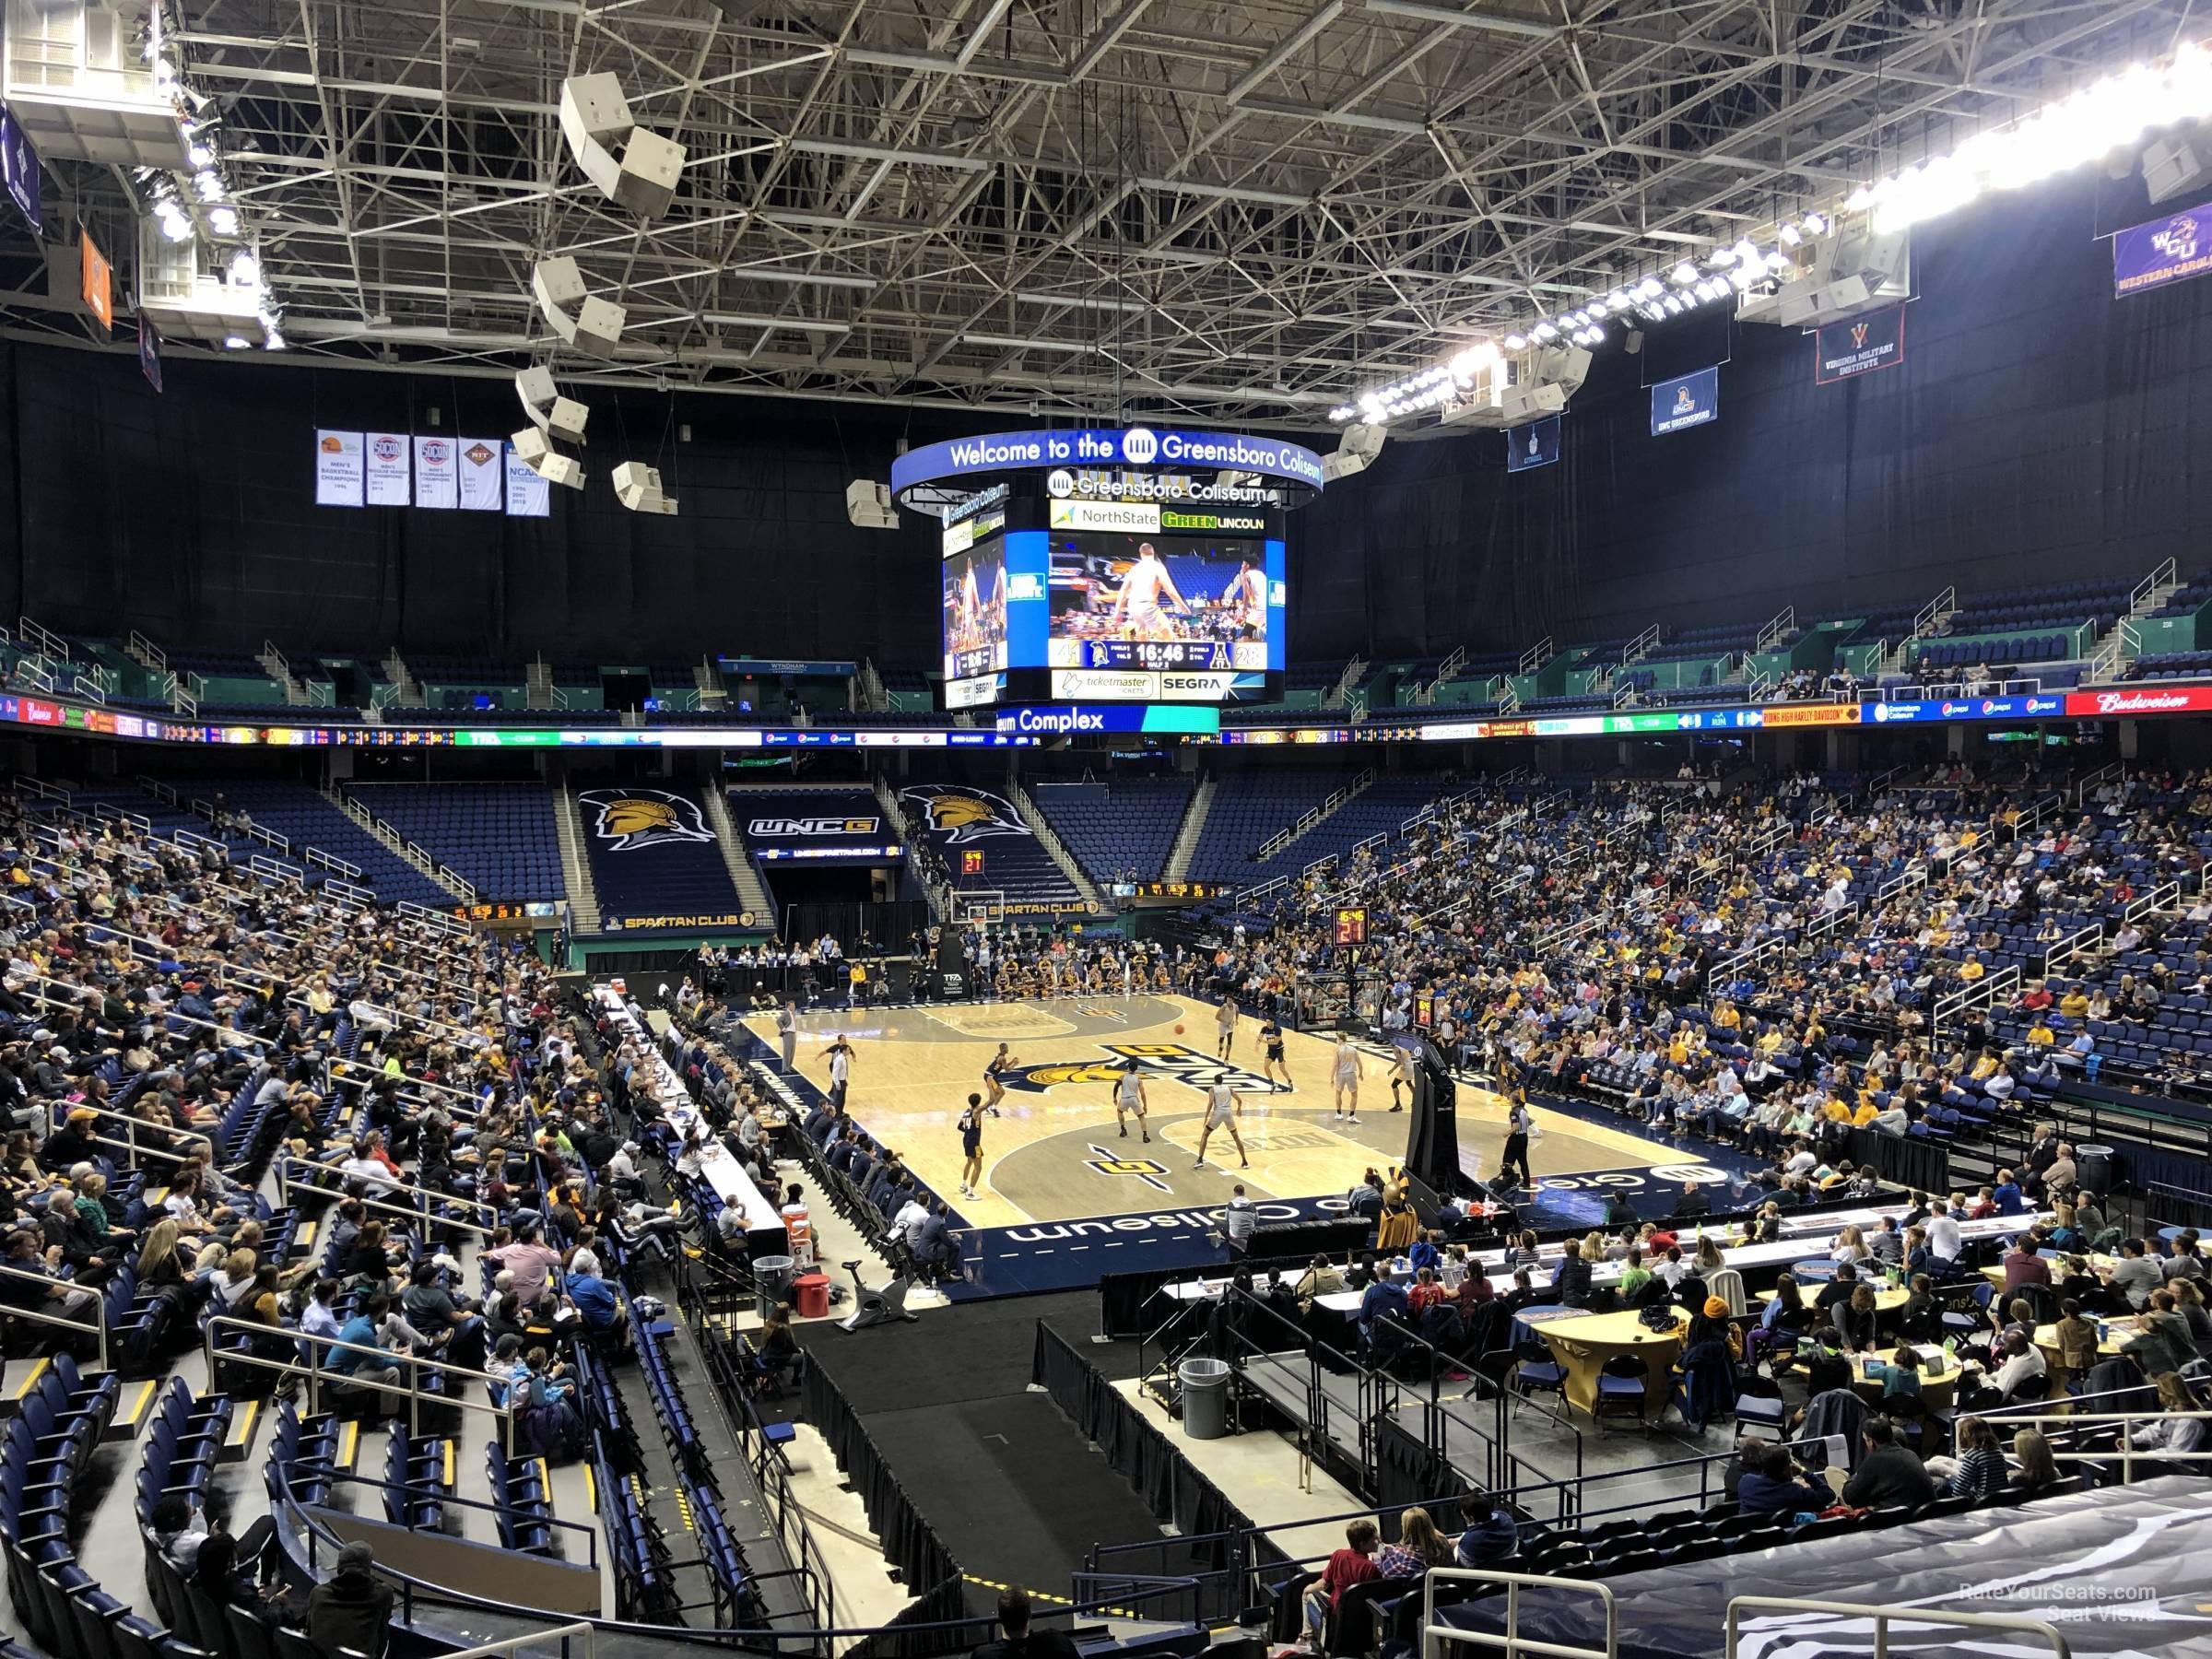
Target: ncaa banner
480	466
1860	346
387	469
1689	401
338	469
436	478
528	496
2173	248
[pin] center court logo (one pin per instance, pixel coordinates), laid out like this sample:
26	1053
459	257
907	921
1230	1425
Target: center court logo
1152	1173
630	818
1154	1062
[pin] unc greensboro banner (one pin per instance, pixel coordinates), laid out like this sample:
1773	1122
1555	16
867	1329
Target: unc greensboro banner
1691	400
1859	345
2169	250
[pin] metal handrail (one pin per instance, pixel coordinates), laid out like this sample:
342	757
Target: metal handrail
285	1182
98	1325
1509	1640
1883	1617
311	1364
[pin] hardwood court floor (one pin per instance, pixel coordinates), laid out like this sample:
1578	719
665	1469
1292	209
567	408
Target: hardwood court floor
1053	1153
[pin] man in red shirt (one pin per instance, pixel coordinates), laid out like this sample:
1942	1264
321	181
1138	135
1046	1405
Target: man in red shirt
1349	1566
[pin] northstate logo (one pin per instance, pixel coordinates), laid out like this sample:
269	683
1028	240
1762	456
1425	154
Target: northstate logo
1154	1062
630	818
964	814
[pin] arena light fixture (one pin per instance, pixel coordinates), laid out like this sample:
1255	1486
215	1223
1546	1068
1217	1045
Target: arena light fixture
2109	117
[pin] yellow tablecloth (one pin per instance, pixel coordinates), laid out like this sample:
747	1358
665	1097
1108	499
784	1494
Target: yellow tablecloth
1583	1344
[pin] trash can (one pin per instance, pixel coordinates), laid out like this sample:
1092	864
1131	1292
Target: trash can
1205	1397
771	1279
811	1291
2093	1167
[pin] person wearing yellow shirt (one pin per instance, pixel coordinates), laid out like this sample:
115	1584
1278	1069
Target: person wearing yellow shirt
1986	1066
1836	1110
2075	1004
1770	1040
1727	1018
2040	1035
1972	969
1864	1117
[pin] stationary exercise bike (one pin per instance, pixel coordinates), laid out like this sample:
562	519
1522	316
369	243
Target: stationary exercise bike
877	1307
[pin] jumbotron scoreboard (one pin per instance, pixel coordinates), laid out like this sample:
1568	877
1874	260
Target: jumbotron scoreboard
1111	582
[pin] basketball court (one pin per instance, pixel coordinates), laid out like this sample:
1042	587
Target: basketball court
1052	1152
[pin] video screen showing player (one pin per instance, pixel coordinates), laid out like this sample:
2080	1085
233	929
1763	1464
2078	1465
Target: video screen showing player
975	610
1201	603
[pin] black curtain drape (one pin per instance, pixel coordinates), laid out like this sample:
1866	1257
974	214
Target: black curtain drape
1922	1164
909	1544
1407	1472
1145	1457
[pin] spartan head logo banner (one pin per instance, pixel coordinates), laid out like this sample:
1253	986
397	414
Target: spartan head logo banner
955	815
629	818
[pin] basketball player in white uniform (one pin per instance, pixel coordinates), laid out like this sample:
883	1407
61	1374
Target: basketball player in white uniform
1346	1077
1222	1110
1128	1097
1137	607
1245	598
1225	1027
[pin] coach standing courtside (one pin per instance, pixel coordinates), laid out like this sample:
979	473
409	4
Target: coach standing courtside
787	1033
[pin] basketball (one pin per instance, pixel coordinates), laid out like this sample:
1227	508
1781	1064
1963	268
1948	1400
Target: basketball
1178	1031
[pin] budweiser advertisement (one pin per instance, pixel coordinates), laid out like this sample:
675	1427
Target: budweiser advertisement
2140	699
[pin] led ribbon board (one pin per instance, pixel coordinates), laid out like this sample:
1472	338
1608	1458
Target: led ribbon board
1275	461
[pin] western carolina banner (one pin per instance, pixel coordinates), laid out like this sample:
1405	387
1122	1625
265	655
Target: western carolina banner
2169	250
338	469
481	468
1860	346
387	469
1692	400
1536	444
437	483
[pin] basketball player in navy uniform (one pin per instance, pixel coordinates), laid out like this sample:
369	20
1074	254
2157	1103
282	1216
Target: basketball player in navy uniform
971	1146
995	1070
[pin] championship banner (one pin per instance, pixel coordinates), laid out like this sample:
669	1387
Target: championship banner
1536	444
19	170
2173	248
1842	350
481	467
528	496
814	824
387	469
1690	400
338	469
437	481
